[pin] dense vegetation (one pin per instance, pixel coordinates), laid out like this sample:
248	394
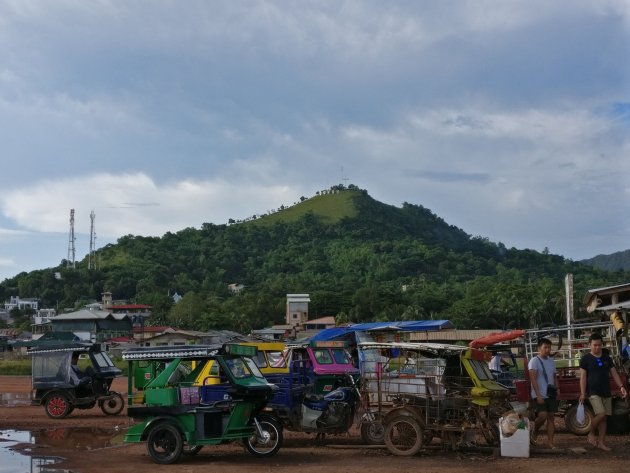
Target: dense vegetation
359	259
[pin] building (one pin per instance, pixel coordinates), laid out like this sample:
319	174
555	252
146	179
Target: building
122	307
15	302
175	337
272	334
297	309
235	288
610	298
94	325
311	327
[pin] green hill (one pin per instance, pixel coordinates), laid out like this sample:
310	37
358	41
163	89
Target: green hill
619	261
359	259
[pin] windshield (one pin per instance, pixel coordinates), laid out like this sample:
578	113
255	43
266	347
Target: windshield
103	360
322	356
273	359
341	356
276	359
241	368
481	370
260	360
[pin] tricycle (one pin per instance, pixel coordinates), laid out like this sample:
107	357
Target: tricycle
61	386
317	387
177	416
424	390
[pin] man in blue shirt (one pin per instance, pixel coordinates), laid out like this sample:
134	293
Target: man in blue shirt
595	370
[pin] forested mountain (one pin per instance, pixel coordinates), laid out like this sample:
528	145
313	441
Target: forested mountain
619	261
359	259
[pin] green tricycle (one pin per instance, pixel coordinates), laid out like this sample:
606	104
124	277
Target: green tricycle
178	415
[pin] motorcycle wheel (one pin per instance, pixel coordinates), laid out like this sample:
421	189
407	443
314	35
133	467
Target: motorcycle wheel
57	406
403	436
272	441
571	423
373	433
165	443
112	406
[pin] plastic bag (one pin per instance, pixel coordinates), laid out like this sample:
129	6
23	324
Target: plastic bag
580	416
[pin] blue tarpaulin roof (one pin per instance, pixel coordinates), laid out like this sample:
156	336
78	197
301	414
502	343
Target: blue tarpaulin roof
406	326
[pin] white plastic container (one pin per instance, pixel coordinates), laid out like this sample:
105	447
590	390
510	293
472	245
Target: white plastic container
517	444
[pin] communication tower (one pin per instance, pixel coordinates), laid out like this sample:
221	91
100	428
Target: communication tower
70	262
92	254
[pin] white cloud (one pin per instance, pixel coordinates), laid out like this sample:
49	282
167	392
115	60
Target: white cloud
7	263
135	204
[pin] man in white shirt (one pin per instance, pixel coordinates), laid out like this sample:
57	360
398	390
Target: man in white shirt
542	375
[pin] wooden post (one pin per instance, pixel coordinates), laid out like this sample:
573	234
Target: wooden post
568	289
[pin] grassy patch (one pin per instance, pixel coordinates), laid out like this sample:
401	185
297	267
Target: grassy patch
331	208
15	367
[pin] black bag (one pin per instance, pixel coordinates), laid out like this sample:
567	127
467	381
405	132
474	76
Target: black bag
552	391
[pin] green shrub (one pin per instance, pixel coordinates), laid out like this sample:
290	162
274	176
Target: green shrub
15	367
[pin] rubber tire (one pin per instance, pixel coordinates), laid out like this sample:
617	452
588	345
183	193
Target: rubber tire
373	433
407	422
192	450
57	405
571	423
270	425
108	409
167	436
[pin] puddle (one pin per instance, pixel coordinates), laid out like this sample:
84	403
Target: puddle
15	399
79	438
24	460
12	461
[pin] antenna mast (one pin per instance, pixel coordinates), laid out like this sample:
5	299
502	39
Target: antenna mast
70	262
92	254
344	179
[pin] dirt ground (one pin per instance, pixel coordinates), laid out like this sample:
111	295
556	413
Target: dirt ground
83	440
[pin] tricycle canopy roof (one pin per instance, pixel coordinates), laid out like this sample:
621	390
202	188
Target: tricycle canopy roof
65	347
187	352
401	326
432	348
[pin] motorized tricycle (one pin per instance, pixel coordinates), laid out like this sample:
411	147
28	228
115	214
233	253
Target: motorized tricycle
425	390
177	417
60	386
317	387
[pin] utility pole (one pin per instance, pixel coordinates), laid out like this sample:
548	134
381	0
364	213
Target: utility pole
70	261
92	254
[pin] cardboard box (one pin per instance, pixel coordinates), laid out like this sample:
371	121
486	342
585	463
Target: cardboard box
517	444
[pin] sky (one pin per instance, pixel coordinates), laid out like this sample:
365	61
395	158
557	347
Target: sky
509	119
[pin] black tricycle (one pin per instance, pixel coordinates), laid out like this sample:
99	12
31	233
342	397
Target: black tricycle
61	386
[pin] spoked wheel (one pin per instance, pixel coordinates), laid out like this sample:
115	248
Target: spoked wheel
571	423
269	443
403	436
57	406
373	433
112	406
165	443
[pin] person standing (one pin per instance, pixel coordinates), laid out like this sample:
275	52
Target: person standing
595	370
542	375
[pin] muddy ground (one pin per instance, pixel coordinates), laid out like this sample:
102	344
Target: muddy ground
90	442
